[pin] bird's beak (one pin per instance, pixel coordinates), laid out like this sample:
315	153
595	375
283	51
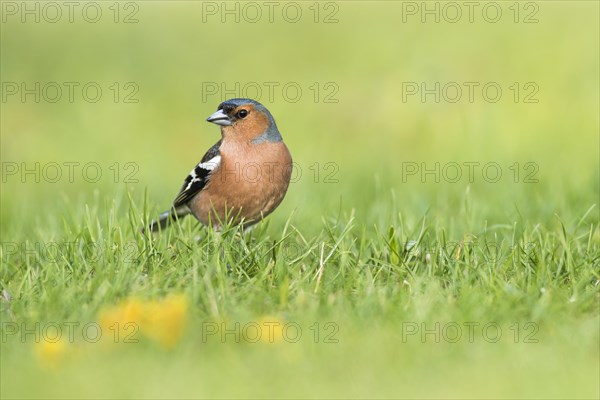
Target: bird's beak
219	118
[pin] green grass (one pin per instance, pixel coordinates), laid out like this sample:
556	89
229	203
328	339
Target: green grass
538	284
395	286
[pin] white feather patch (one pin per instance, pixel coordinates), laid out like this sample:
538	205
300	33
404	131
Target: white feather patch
211	164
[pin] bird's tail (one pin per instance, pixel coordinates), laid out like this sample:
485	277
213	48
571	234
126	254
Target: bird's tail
167	217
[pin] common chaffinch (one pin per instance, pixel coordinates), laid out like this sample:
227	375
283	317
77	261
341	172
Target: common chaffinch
243	177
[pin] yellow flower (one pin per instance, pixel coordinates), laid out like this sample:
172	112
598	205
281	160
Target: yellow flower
165	320
121	322
269	329
49	354
160	320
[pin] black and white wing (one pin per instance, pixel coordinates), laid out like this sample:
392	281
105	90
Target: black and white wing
199	176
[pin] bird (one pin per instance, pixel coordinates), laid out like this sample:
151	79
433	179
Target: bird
242	178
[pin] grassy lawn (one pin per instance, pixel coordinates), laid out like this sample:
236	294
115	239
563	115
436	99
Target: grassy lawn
440	237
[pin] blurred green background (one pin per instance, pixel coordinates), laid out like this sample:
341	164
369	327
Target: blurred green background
368	133
353	132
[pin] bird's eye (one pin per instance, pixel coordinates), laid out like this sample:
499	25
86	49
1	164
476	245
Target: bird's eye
242	113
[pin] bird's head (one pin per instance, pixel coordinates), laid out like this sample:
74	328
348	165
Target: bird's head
247	120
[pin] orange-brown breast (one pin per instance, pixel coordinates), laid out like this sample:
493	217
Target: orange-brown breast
249	183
